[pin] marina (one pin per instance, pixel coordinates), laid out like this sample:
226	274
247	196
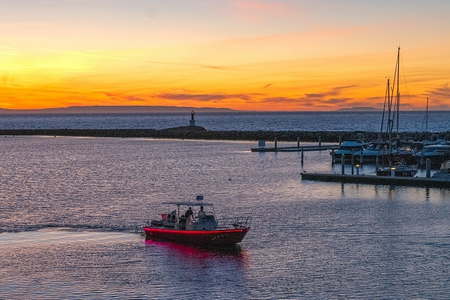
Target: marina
378	180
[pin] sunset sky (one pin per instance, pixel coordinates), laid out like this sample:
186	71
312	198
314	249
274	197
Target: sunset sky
239	54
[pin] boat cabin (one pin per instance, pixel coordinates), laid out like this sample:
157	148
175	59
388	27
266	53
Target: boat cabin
188	216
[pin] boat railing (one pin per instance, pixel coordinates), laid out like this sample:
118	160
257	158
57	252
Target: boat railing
236	222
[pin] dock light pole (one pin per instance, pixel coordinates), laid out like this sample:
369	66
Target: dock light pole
342	164
320	141
276	144
298	142
357	169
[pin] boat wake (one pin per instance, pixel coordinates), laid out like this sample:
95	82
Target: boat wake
39	236
73	227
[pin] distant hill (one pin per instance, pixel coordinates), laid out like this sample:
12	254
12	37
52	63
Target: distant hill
361	108
114	110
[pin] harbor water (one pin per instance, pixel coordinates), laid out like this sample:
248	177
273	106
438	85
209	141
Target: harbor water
69	209
309	121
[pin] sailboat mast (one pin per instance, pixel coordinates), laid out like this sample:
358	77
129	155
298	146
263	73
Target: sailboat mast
390	121
398	90
426	115
384	108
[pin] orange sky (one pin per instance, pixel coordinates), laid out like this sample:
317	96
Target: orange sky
248	55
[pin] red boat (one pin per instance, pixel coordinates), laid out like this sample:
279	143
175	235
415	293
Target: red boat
197	227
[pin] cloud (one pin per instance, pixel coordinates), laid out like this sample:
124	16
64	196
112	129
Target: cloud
179	96
364	102
314	99
282	100
337	100
332	92
134	98
441	92
315	95
123	97
204	66
203	97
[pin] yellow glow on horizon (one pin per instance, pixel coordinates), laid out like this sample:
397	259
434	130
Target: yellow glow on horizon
174	76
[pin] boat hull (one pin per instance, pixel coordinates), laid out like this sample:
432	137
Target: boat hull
225	237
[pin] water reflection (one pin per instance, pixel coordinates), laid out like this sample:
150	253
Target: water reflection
192	252
310	240
194	270
427	194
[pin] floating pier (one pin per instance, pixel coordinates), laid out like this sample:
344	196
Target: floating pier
295	149
377	180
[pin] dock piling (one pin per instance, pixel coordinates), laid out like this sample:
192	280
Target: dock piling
353	165
276	144
342	164
361	158
428	166
303	155
298	142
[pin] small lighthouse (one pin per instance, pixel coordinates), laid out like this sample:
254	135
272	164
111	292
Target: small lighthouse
192	121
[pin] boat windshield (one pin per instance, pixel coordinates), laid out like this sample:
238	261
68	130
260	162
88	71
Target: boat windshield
199	203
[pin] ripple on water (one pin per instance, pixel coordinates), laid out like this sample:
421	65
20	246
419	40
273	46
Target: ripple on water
69	207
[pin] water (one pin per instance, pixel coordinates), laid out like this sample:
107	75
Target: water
342	121
69	207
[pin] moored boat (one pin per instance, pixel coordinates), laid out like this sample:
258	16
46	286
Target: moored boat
437	154
400	170
444	172
199	228
348	148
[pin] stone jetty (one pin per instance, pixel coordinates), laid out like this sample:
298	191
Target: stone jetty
197	132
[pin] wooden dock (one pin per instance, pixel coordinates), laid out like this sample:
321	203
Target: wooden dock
295	148
377	180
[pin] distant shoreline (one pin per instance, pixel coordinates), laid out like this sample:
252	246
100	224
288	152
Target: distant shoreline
199	133
51	113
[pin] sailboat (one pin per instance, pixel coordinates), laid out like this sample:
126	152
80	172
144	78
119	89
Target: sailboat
383	148
390	148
